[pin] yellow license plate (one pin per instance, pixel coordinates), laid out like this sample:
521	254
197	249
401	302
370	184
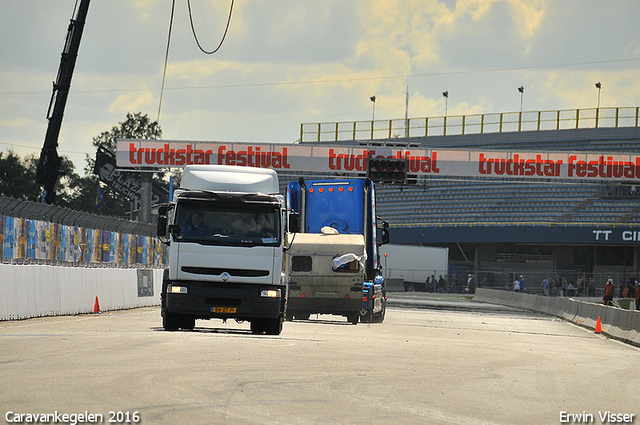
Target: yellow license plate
223	310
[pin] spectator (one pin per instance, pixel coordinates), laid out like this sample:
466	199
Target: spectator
442	285
592	287
637	296
471	285
522	283
563	286
516	285
545	286
609	288
630	288
454	284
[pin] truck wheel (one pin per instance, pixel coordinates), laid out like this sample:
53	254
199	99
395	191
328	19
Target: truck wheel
170	321
302	316
257	326
188	323
379	317
289	317
353	318
367	317
273	326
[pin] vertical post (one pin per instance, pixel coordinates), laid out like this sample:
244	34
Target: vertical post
539	118
145	199
426	127
597	116
444	126
354	130
617	115
520	121
501	116
336	132
319	127
482	124
558	121
463	120
577	118
390	127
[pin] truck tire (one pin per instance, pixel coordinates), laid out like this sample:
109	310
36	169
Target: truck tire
273	326
267	326
353	318
188	323
170	321
379	317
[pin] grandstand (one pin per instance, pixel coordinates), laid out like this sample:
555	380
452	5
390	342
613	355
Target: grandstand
499	228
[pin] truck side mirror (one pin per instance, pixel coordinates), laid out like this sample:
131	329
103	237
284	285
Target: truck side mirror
294	222
162	220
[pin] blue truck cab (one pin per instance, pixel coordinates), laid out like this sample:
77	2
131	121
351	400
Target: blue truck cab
341	207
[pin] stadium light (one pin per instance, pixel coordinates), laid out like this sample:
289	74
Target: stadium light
521	90
373	100
599	87
446	101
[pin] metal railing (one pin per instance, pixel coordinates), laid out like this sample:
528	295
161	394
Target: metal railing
11	207
470	124
32	233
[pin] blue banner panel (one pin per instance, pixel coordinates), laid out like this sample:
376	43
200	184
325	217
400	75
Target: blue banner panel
573	235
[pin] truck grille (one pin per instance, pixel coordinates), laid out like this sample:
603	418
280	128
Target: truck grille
216	271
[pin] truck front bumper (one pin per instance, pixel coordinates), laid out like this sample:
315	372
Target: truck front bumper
208	300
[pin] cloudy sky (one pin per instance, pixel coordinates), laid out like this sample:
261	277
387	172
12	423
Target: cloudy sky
287	62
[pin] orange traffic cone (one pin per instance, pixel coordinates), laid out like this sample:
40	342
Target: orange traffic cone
96	306
598	326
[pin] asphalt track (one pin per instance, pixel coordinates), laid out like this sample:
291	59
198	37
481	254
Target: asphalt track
433	361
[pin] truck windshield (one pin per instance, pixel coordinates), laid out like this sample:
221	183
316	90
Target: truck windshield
227	225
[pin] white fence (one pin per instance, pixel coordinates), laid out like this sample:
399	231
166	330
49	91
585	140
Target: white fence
35	290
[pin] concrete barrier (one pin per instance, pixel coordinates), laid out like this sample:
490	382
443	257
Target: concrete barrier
617	323
43	290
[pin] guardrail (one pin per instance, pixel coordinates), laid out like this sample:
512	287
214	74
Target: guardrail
470	124
615	322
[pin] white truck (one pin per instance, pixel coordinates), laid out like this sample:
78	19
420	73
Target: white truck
225	228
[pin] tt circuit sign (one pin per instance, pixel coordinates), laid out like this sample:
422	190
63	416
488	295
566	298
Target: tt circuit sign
136	153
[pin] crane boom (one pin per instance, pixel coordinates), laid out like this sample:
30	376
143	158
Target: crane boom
48	171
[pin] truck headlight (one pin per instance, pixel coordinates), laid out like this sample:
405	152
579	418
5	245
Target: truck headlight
177	289
271	293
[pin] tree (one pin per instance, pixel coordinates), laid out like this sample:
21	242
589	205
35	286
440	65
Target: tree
17	179
136	126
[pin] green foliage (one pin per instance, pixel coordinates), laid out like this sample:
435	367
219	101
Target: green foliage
17	177
136	126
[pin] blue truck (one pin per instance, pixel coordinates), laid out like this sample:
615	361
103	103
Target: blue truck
332	261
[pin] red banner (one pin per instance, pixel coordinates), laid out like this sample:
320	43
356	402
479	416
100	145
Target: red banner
331	159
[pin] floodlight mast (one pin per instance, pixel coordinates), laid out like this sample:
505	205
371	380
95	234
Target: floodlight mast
48	171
